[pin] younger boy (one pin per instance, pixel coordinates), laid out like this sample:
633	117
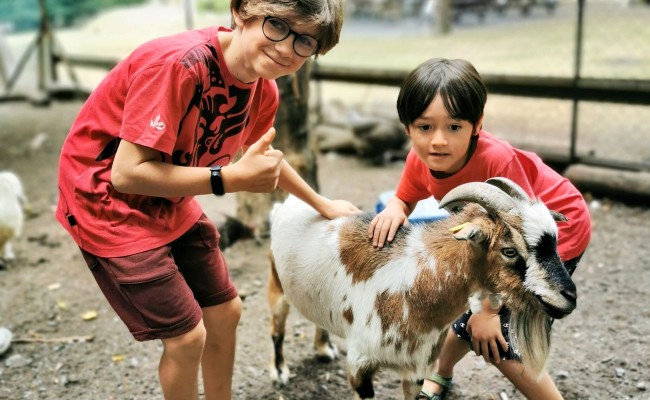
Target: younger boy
441	105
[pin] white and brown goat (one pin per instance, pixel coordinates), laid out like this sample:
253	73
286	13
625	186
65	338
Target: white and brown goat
394	305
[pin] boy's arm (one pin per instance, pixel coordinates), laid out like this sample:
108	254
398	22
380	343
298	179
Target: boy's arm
385	224
138	170
293	183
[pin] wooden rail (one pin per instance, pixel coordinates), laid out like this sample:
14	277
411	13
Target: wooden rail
106	63
626	91
584	89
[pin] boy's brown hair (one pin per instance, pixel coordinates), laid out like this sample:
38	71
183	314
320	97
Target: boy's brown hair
328	14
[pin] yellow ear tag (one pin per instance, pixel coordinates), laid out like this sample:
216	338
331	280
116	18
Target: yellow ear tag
458	227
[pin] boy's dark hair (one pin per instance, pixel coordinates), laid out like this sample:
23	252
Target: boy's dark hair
456	81
327	14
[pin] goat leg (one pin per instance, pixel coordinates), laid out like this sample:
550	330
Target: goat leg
326	351
279	370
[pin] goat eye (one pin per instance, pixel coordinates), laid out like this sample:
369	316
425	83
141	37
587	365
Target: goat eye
509	252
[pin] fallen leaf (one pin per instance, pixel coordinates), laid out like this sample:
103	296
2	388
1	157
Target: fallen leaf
89	315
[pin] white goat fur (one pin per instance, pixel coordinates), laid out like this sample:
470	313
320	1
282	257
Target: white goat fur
12	199
393	306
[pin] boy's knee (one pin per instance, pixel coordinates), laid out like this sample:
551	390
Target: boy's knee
223	316
188	344
232	310
196	337
236	309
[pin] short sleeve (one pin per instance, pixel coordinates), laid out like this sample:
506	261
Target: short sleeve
412	186
157	100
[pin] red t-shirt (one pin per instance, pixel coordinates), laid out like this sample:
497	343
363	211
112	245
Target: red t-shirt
495	157
175	95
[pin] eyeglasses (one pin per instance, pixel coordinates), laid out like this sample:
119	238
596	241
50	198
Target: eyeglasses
276	30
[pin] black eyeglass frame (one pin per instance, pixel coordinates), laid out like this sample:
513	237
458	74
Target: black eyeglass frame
290	32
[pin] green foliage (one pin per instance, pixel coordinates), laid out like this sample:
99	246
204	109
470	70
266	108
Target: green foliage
213	5
25	14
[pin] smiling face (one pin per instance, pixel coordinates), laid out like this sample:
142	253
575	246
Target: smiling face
439	140
256	56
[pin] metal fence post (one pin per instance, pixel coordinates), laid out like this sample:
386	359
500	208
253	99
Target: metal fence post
576	78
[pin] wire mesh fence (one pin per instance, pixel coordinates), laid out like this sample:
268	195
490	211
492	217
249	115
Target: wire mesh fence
602	42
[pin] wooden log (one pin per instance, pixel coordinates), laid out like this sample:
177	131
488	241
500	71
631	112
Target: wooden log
335	138
624	185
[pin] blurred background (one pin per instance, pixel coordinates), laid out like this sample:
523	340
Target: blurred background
569	79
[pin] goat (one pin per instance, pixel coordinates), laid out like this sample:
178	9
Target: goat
12	200
393	305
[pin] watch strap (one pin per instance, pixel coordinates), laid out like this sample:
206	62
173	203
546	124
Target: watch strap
216	181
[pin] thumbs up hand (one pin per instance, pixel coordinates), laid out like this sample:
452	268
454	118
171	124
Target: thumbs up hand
259	168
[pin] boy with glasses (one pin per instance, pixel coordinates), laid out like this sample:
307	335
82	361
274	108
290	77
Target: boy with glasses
163	126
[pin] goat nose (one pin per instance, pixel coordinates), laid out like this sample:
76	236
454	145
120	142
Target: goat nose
571	295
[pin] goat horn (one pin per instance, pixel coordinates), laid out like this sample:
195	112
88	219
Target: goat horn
509	187
487	196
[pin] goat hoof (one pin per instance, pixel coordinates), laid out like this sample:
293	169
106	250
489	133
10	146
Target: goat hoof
279	375
327	353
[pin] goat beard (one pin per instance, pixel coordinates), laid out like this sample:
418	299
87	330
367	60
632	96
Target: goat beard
530	338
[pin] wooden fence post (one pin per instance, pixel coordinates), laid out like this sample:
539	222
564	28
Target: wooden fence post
293	138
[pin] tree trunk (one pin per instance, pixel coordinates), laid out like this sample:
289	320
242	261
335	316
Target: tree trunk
293	138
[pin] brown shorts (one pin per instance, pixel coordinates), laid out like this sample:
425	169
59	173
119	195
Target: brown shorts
159	293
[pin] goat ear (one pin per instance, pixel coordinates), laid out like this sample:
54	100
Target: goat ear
558	217
471	232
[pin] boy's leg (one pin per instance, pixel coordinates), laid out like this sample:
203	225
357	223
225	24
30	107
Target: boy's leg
155	293
453	350
531	386
204	268
219	352
154	301
179	364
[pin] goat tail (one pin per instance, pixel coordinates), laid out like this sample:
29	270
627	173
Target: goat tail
530	338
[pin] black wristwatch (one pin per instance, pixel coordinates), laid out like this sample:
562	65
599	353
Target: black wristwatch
216	181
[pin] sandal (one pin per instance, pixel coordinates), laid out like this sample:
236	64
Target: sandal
445	383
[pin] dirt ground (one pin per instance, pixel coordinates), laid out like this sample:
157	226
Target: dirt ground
600	351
